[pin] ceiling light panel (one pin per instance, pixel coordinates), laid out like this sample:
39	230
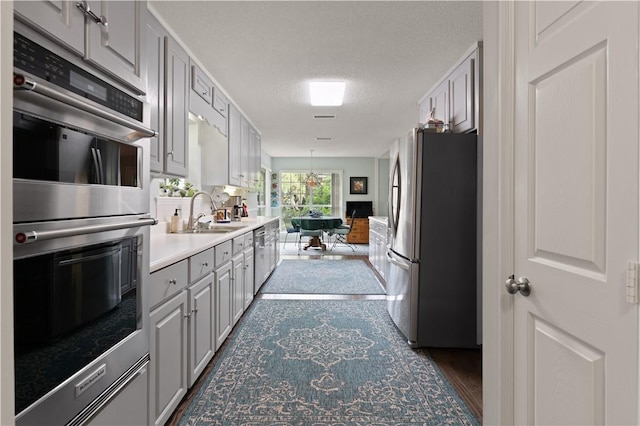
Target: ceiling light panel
326	93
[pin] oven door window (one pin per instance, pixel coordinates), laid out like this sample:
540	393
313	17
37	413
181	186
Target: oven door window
49	152
71	307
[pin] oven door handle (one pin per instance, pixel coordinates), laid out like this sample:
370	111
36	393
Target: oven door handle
21	82
33	236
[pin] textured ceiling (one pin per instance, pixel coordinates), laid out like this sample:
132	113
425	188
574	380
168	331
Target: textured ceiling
264	53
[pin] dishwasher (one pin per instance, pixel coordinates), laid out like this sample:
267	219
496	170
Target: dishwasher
265	250
261	258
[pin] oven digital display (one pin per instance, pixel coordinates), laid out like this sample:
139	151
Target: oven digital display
89	86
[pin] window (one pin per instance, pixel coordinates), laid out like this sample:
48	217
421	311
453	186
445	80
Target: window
297	198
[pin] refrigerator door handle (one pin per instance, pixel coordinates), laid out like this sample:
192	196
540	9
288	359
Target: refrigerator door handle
404	264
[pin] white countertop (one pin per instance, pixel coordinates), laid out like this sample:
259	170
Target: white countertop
383	219
167	249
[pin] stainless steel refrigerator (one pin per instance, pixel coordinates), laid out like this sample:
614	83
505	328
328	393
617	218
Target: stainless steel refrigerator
432	287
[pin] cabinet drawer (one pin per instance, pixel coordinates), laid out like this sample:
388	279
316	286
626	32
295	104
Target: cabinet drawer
200	265
168	282
248	240
219	102
201	84
377	227
223	253
238	244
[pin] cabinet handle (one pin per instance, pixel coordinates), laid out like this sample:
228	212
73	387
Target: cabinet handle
84	7
173	281
205	263
195	311
170	153
187	315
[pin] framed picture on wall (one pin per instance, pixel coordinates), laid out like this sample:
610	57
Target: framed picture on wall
357	185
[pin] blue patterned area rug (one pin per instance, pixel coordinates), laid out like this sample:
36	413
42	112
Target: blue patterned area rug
322	276
323	363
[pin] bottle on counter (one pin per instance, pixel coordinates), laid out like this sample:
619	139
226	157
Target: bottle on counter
175	222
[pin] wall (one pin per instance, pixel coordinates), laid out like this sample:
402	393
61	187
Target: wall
350	167
383	186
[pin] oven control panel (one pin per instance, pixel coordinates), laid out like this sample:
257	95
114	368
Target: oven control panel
34	59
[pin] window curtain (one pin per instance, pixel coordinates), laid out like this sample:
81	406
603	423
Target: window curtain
336	194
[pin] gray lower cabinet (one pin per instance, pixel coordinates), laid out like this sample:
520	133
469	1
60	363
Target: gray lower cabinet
182	340
201	295
378	245
129	406
224	320
168	352
224	291
249	272
237	273
194	305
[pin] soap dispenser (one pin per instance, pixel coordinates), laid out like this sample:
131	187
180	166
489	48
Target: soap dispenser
175	222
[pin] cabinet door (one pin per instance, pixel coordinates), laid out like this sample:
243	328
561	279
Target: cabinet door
238	287
224	320
249	277
372	248
461	87
439	99
176	108
168	352
235	147
245	151
59	20
155	90
254	156
425	109
117	45
201	84
201	326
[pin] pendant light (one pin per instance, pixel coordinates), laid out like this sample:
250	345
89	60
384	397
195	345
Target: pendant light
312	178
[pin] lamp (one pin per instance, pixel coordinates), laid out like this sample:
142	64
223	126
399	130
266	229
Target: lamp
312	178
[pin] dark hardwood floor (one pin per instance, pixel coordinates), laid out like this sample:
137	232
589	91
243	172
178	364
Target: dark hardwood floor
462	367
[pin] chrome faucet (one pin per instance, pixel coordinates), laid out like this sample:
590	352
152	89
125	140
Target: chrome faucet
190	223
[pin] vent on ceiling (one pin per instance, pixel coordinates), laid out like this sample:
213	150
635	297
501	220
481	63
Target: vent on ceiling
318	116
324	139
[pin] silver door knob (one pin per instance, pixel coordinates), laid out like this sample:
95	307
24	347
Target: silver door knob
522	285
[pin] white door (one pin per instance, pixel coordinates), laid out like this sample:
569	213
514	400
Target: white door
576	212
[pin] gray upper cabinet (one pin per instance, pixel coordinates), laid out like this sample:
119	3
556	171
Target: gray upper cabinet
61	21
255	148
168	96
461	95
456	98
201	84
155	90
235	146
204	102
105	33
176	108
439	101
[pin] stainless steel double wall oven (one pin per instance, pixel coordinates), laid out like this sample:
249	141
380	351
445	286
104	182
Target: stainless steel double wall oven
81	228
